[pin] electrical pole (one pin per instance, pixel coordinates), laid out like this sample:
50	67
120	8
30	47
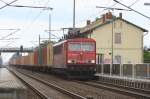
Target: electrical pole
39	40
112	45
73	14
49	26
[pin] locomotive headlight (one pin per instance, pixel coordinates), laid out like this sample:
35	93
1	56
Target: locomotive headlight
69	61
92	61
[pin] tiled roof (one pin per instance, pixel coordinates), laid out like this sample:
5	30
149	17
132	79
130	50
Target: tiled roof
98	23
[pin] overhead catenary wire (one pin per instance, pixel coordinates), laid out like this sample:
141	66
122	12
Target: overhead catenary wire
134	3
9	4
6	4
105	9
9	39
10	34
132	9
55	35
39	7
96	14
23	6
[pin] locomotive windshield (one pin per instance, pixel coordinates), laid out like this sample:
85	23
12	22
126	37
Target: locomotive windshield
84	46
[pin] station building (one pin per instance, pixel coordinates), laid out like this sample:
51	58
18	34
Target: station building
117	38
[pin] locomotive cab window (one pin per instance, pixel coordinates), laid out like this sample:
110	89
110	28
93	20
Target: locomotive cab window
74	47
84	46
87	46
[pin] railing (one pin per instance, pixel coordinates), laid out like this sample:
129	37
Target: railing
141	71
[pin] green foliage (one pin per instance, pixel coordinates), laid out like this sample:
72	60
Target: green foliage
146	57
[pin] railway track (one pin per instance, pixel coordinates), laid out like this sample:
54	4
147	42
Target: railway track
90	92
133	92
136	92
68	94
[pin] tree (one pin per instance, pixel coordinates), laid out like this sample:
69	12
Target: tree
146	56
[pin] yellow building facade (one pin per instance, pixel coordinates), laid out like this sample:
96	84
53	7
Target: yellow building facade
120	37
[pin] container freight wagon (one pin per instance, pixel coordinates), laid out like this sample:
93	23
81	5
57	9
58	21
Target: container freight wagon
49	54
72	57
43	55
31	59
35	54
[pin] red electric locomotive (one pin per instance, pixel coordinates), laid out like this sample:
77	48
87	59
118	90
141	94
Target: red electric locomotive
75	57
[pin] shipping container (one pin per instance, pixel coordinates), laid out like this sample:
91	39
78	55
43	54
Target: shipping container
40	56
31	59
44	56
49	54
18	61
26	60
22	60
35	57
14	61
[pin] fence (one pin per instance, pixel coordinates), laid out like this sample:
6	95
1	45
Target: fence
141	71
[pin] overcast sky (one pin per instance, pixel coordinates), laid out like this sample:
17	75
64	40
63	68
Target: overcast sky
33	22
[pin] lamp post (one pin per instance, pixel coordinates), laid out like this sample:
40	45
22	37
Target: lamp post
49	26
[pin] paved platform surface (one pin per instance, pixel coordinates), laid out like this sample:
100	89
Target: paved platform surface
10	86
9	81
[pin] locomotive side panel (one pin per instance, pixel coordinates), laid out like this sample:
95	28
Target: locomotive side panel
59	56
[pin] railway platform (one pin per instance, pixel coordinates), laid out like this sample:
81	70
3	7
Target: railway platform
122	77
123	81
10	86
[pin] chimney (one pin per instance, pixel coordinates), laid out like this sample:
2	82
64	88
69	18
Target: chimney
88	22
120	15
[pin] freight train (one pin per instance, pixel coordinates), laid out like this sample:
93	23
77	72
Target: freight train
71	57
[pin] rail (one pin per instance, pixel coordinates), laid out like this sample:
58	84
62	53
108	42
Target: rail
121	89
64	91
40	94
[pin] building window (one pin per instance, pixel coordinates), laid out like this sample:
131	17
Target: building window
117	38
118	59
